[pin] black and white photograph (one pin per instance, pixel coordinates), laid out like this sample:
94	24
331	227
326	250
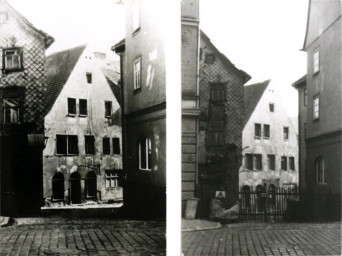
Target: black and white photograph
170	127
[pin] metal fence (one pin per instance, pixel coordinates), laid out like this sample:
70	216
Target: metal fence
267	206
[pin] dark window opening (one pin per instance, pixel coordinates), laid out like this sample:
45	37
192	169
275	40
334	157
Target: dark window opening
209	58
258	161
89	145
257	130
108	108
217	92
271	162
284	163
106	146
246	196
116	146
217	112
75	188
89	77
291	163
67	144
286	133
83	107
272	191
249	161
71	106
11	110
271	106
266	131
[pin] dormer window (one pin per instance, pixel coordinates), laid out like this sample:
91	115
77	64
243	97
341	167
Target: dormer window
89	77
3	17
12	59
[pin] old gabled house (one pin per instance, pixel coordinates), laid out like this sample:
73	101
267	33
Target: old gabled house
22	88
221	90
269	142
83	155
320	119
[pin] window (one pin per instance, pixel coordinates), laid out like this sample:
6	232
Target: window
215	138
108	109
12	59
106	146
217	92
316	60
137	78
83	107
67	144
116	146
89	77
249	161
209	58
316	107
291	163
320	171
111	179
283	163
271	106
286	133
57	187
89	145
305	97
266	131
145	154
257	130
136	15
271	162
71	106
3	17
258	162
11	110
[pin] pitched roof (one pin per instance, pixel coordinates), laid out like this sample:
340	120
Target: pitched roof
225	60
300	82
252	95
113	79
48	39
58	69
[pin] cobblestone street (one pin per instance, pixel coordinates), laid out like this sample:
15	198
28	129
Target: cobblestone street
265	239
85	238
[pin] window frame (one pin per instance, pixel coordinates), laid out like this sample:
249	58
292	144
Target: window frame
69	100
111	109
82	108
217	90
271	107
316	60
317	165
89	139
257	165
147	154
249	161
116	146
107	151
89	77
271	162
283	163
137	74
17	108
19	51
266	132
292	164
111	175
315	114
67	144
257	125
286	132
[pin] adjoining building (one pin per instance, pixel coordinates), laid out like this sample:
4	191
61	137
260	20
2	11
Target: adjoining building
269	142
82	160
22	89
221	90
143	82
321	120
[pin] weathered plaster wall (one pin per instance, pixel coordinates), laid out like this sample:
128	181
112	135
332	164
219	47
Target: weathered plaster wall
57	122
274	145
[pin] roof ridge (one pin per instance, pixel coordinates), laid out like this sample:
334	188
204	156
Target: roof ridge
66	50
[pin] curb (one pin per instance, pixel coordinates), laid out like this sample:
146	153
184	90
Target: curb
217	226
4	221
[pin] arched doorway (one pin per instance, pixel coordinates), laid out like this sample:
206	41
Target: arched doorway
58	187
75	188
90	185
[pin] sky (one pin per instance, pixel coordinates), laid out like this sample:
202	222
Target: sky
261	37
